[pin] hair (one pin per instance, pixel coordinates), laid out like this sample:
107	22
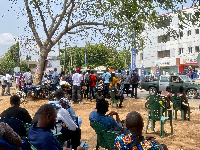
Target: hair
59	94
181	89
119	71
55	69
107	70
46	109
134	120
92	71
88	71
112	75
15	100
63	73
27	70
102	106
168	88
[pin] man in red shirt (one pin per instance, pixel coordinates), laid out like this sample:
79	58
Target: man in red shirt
92	84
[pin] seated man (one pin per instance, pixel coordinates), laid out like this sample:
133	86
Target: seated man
101	117
40	134
8	135
135	140
168	95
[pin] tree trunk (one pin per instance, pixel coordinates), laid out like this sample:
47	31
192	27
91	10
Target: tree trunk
40	66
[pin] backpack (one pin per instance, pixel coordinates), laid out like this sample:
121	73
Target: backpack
134	78
89	81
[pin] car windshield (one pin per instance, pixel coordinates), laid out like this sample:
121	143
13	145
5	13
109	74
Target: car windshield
186	78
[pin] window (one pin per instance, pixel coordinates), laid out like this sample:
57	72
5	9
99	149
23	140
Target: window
190	49
165	53
189	32
197	31
181	34
141	56
196	48
180	51
163	38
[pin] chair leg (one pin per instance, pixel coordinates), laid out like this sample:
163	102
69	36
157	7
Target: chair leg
171	126
152	125
116	101
189	113
112	103
175	114
182	115
162	128
147	125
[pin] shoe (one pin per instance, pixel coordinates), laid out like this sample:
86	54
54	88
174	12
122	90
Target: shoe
120	106
80	102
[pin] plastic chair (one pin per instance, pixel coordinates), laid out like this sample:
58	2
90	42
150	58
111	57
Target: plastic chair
155	110
177	101
98	129
113	99
109	137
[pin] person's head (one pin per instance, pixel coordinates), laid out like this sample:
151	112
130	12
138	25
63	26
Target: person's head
102	106
112	75
92	71
27	70
59	94
119	71
55	69
64	103
47	116
168	88
134	123
107	70
78	70
88	71
181	89
63	73
21	75
15	100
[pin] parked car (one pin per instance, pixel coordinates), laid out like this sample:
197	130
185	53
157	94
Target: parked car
191	88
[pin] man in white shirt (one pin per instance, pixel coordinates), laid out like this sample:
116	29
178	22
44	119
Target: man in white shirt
9	82
3	84
76	88
27	78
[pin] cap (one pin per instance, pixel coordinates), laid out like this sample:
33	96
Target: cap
64	101
78	69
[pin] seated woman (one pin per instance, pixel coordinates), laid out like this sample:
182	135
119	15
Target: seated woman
8	135
182	94
168	95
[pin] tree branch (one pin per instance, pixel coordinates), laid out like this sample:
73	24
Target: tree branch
84	29
49	11
32	25
43	22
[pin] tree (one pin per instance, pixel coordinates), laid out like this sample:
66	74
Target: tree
28	57
11	59
23	66
126	16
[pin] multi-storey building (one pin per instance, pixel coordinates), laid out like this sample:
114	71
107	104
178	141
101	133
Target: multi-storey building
171	53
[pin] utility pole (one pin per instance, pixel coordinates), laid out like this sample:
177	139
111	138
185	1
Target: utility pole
65	55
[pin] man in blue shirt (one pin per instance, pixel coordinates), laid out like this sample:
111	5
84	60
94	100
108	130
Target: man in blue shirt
101	117
106	78
40	134
54	79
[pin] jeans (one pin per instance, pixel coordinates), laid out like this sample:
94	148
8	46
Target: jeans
106	90
3	89
8	88
126	88
76	91
134	90
54	87
92	90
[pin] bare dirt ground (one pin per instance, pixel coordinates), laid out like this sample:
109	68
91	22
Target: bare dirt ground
185	137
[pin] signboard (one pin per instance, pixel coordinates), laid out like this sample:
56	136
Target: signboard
188	60
17	69
51	64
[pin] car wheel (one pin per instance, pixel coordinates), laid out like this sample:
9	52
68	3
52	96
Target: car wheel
192	93
152	91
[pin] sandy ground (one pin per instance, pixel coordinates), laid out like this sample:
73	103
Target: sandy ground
185	137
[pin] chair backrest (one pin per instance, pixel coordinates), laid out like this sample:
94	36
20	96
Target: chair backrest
14	123
98	129
5	145
112	95
155	110
176	100
109	137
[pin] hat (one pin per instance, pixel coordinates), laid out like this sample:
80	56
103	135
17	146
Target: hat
64	101
78	69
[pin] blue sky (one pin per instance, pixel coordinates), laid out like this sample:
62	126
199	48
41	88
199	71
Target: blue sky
12	26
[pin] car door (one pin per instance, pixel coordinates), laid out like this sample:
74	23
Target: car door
163	82
175	84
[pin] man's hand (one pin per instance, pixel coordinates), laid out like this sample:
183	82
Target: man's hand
151	138
113	113
64	125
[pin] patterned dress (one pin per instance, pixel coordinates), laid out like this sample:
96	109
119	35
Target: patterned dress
123	142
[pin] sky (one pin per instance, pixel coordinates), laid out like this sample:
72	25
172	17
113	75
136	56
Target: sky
12	26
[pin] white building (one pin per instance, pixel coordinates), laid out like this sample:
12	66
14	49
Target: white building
170	54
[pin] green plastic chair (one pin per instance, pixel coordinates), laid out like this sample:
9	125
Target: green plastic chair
109	137
177	101
31	146
98	129
113	99
155	110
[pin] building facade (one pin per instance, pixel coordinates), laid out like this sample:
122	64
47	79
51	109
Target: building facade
171	53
